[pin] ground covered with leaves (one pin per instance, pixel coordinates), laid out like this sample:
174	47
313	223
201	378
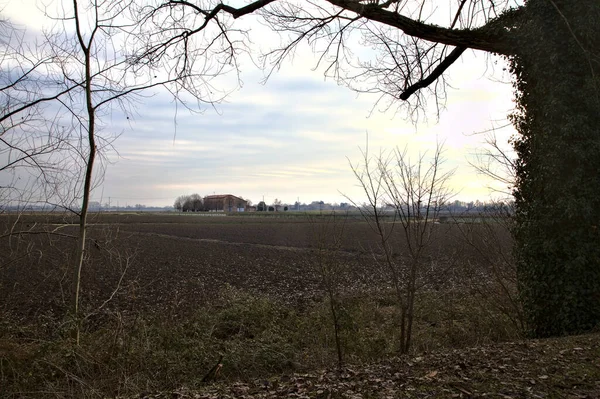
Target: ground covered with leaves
553	368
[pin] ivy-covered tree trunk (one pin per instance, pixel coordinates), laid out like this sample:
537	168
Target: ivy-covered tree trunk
557	73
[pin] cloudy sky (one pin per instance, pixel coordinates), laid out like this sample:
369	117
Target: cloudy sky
292	137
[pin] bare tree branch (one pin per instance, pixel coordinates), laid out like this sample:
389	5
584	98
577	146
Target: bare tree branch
437	72
491	40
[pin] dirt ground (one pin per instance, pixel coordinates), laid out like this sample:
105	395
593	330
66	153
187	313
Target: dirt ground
180	261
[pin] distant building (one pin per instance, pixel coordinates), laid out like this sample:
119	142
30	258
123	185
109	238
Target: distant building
225	203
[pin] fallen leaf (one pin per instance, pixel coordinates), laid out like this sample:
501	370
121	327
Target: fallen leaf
431	374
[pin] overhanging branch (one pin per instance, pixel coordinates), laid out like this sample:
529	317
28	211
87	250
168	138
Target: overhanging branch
490	37
436	73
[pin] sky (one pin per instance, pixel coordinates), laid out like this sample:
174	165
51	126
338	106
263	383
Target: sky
294	137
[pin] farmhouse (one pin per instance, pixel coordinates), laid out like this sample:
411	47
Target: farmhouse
225	203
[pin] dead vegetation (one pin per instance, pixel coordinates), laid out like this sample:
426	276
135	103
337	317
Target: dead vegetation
553	368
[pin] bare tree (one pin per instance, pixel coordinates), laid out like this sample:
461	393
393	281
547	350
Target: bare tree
32	139
33	142
179	201
82	73
493	276
404	199
497	163
197	204
328	233
494	281
413	43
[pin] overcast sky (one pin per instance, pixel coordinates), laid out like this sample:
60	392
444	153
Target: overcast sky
292	137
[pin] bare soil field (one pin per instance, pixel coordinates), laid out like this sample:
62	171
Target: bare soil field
178	260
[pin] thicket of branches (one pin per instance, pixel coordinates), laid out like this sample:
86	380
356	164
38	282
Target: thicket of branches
416	191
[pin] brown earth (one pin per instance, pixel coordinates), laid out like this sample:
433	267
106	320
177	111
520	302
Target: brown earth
175	262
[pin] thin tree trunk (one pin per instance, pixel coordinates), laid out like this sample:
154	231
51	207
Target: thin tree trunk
336	328
411	304
87	184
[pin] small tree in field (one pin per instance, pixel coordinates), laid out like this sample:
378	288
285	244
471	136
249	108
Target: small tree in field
57	96
328	234
495	285
404	198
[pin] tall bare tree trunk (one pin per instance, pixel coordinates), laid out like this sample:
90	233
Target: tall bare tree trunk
87	184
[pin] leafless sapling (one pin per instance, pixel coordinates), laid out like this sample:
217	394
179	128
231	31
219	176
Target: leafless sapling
404	199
